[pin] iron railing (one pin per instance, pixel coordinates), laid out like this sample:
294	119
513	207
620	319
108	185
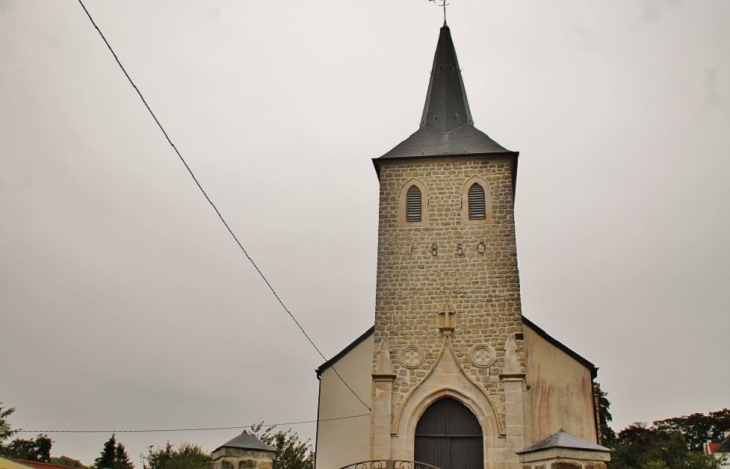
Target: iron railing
389	464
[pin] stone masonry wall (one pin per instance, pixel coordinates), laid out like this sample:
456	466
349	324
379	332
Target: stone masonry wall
470	266
566	464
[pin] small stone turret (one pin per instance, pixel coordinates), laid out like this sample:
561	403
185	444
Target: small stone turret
243	452
564	451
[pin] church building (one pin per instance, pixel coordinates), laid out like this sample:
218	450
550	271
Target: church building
452	375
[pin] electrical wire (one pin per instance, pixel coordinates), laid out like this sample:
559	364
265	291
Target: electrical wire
205	429
261	274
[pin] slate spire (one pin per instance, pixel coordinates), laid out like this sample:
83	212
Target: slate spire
446	105
447	128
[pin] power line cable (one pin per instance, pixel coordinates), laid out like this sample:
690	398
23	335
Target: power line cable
204	429
261	274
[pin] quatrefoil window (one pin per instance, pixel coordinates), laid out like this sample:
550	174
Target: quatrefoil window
482	355
411	356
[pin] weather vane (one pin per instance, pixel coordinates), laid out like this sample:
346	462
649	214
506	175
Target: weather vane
442	4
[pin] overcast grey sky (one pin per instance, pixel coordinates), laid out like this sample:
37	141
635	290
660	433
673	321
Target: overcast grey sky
125	304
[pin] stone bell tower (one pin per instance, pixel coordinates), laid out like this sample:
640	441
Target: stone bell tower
448	321
452	375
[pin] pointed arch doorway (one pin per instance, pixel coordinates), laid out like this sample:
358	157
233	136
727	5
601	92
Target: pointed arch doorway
449	436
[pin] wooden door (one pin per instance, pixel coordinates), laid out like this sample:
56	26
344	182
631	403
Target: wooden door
449	436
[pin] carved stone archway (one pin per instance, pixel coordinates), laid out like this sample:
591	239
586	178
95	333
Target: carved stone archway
449	436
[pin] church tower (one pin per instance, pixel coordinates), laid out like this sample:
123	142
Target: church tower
452	375
448	294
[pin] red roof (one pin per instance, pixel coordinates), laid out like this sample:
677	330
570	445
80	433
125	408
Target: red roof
713	447
41	465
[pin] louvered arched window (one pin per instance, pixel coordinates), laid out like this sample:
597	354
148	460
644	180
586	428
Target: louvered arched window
476	202
413	205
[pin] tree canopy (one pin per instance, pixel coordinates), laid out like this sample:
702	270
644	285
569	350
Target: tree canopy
68	462
697	428
113	456
641	447
291	452
606	435
38	450
674	443
187	456
6	430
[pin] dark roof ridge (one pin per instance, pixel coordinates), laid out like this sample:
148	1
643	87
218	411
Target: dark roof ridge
344	351
539	331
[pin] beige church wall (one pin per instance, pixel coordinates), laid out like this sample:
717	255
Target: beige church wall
343	442
560	391
9	464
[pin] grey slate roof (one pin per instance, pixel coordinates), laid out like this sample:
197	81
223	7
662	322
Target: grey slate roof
427	141
247	441
563	439
447	128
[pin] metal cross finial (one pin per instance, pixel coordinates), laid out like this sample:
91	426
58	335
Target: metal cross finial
443	4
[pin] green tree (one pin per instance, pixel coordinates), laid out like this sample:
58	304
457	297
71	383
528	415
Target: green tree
38	450
722	423
291	452
122	458
6	430
108	455
188	456
113	456
68	462
698	428
641	447
607	437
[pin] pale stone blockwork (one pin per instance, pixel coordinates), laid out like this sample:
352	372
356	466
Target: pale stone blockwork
562	458
231	459
450	265
471	267
446	379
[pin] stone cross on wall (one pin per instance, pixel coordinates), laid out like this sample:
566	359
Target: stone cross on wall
446	319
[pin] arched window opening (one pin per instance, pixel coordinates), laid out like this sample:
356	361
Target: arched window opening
477	210
413	205
449	436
